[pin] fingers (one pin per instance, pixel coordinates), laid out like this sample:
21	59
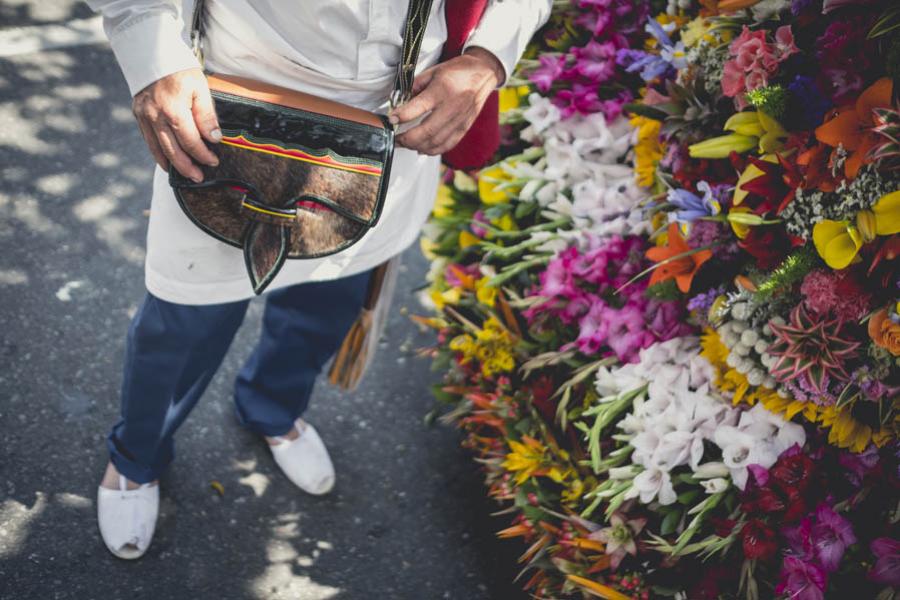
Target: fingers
204	112
415	108
171	148
177	117
423	79
185	129
437	133
153	145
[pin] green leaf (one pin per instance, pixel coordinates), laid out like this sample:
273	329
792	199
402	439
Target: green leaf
645	111
524	209
670	522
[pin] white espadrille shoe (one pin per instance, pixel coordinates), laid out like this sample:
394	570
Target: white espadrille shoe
127	518
305	460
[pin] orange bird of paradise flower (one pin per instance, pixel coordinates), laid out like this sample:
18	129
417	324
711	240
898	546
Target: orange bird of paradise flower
676	260
851	126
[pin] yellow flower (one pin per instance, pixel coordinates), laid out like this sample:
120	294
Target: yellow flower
492	346
467	238
887	214
491	188
525	459
486	294
511	97
464	182
441	299
695	31
838	242
647	150
428	246
505	223
750	129
443	202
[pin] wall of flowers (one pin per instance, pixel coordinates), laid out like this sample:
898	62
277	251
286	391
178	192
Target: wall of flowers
667	315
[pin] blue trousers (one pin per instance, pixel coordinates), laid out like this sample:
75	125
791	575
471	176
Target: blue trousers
174	350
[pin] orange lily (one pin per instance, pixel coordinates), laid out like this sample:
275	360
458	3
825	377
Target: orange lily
681	269
851	126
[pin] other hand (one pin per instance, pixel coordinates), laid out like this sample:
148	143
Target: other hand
453	92
175	114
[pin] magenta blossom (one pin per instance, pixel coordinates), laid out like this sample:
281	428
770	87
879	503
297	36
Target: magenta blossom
550	69
801	580
887	561
595	62
831	535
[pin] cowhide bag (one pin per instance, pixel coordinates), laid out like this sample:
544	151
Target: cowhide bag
299	176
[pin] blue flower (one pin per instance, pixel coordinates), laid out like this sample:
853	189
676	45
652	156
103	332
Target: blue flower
691	206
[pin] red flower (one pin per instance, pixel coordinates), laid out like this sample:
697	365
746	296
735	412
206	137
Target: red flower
792	472
758	540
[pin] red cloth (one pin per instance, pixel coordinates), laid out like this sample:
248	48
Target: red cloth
482	139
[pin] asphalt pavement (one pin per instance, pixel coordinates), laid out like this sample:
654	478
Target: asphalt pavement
408	518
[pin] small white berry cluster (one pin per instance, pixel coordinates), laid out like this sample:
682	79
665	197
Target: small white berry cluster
748	347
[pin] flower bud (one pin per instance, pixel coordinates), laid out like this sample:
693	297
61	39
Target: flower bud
865	223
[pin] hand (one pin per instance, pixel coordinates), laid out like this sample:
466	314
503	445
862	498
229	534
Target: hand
454	92
176	114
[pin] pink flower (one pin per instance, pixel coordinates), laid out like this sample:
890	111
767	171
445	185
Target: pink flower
550	69
801	580
835	292
754	60
581	99
595	61
887	564
831	534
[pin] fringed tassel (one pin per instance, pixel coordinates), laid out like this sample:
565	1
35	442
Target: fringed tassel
359	345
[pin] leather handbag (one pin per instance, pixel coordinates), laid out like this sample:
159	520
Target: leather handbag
299	176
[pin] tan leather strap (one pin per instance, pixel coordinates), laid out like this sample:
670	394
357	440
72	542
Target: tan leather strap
413	32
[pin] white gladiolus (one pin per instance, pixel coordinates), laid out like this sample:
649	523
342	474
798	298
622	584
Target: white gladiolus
715	485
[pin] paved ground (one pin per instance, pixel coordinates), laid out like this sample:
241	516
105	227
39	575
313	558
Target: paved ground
408	518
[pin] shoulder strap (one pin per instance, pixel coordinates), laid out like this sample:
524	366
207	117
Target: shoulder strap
413	32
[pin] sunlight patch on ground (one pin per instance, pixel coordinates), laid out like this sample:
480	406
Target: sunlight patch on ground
13	277
15	520
34	38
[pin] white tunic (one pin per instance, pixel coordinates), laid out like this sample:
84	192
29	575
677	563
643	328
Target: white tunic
346	50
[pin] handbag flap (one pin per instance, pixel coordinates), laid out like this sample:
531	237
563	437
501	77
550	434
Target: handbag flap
273	94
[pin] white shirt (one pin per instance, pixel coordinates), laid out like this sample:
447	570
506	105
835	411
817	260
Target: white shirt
346	50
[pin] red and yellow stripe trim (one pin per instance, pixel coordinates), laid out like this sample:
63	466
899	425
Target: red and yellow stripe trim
326	160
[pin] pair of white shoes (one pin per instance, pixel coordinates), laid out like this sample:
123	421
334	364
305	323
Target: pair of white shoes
127	517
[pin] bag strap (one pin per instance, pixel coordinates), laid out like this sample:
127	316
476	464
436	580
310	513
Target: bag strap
413	32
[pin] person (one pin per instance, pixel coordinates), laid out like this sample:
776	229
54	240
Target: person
197	289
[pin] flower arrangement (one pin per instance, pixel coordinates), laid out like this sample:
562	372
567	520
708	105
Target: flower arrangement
667	316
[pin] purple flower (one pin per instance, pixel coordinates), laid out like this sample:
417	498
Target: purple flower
581	99
595	61
798	6
887	561
831	535
801	580
691	206
857	465
807	104
799	539
649	65
550	69
479	221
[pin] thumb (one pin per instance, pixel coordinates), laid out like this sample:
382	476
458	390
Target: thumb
205	115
